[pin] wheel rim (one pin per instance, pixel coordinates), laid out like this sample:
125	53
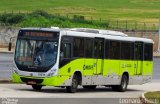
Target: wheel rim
124	83
74	84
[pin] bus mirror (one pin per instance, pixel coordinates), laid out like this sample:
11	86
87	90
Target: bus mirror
10	46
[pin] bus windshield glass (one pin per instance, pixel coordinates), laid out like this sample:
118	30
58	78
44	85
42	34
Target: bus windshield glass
36	51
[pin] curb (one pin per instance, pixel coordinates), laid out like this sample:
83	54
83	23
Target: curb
6	51
145	100
5	81
156	56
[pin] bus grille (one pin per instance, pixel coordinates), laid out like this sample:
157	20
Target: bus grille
38	81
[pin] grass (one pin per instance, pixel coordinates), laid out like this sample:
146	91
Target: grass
131	10
153	95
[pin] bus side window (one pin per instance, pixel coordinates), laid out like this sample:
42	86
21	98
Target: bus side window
65	51
125	50
148	52
107	49
78	47
114	49
88	48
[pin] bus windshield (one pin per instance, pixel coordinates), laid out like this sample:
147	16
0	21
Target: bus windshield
35	54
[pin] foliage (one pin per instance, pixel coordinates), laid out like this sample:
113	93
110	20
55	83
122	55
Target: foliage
10	18
40	18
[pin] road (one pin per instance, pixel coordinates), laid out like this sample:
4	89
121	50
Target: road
6	65
51	94
48	95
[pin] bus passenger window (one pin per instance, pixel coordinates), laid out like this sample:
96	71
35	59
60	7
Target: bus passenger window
107	49
65	50
125	50
88	48
148	52
78	47
114	50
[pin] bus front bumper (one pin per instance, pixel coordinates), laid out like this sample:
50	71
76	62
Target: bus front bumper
48	81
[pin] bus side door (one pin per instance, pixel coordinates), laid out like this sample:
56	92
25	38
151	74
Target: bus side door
138	58
88	60
98	55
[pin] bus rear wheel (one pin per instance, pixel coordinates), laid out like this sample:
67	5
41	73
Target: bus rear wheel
89	87
37	87
74	85
123	86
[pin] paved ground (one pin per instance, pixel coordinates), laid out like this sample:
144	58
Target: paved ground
6	65
25	91
49	93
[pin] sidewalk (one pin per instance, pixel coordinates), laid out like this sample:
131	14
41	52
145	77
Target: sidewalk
156	54
5	50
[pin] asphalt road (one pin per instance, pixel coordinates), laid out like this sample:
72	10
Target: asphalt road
48	95
102	95
6	65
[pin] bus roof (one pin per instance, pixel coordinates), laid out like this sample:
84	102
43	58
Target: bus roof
93	33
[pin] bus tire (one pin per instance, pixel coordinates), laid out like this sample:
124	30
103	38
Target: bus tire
124	83
89	87
74	85
37	87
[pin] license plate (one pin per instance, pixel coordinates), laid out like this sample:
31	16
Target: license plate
31	82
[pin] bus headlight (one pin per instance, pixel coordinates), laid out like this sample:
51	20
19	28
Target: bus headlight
51	73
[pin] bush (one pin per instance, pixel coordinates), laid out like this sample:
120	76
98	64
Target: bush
38	13
10	18
40	18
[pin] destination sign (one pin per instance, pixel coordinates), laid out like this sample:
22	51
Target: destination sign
38	34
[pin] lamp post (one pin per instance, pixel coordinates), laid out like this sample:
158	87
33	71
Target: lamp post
10	43
159	36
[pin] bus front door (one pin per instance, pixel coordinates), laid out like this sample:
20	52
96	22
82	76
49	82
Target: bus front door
138	66
98	56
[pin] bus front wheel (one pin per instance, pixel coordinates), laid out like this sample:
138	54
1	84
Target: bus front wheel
74	85
37	87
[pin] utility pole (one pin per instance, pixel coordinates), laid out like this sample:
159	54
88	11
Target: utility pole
159	36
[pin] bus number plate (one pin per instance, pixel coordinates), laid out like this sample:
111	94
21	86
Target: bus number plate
31	82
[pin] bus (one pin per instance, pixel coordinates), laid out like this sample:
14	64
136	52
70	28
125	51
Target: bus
69	57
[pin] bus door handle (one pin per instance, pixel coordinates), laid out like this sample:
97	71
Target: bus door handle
123	65
95	64
135	65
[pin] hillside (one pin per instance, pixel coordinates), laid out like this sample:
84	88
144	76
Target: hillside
132	10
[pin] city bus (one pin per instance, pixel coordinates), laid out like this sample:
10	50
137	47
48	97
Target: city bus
72	57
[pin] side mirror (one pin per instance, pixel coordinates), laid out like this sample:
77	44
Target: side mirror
10	46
